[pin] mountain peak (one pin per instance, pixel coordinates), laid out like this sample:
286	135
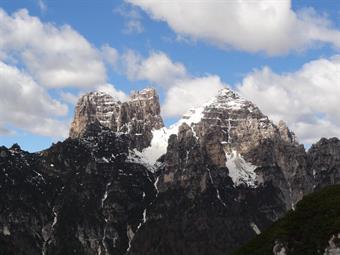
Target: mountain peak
144	94
224	167
136	117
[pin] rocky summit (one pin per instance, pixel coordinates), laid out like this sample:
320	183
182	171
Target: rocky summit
136	117
125	184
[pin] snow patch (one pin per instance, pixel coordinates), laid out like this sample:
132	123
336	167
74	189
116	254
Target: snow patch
227	99
161	136
155	184
138	157
130	234
55	219
144	216
159	144
240	171
105	194
6	231
255	228
105	160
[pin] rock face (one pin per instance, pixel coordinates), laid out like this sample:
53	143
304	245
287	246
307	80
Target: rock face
334	245
232	133
324	162
227	169
224	173
81	196
226	156
242	130
136	117
313	228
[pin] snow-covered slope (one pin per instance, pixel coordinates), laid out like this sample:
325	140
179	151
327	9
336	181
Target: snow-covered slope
227	107
240	171
161	136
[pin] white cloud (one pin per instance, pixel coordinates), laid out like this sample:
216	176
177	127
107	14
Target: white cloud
181	90
253	26
50	57
54	56
307	99
133	19
188	93
69	98
110	55
111	90
158	68
26	105
4	131
133	26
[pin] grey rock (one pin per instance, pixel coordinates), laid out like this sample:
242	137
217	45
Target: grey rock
333	245
137	117
324	162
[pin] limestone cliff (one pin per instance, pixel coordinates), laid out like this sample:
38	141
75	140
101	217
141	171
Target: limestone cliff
137	117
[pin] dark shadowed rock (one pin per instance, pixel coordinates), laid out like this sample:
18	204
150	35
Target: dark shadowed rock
324	162
81	196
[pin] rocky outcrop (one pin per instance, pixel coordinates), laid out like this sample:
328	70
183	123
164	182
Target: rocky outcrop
312	228
201	175
279	248
137	117
233	135
184	164
324	162
81	196
247	132
334	245
226	153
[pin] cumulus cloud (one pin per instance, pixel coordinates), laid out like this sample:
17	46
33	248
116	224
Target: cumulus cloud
252	26
26	105
69	98
182	91
157	68
5	131
111	90
72	99
50	57
133	19
54	56
110	55
188	93
307	99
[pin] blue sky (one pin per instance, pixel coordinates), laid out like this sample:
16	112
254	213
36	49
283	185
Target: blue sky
142	29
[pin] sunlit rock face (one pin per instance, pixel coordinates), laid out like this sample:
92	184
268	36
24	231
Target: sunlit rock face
137	117
231	134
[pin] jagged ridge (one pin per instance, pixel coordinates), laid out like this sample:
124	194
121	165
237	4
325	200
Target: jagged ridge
224	173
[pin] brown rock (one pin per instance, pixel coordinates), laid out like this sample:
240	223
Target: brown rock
136	117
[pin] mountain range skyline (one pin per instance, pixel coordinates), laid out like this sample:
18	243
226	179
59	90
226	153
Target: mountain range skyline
50	55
